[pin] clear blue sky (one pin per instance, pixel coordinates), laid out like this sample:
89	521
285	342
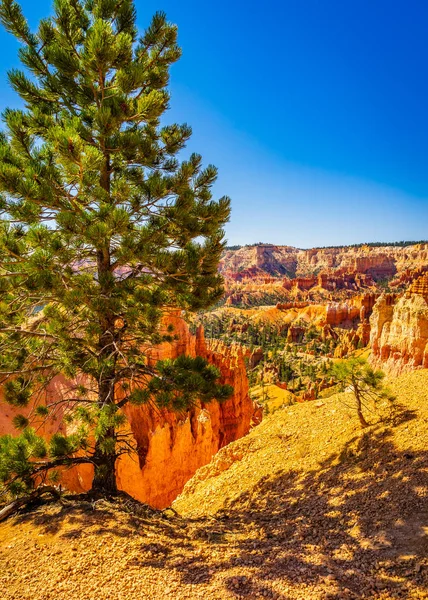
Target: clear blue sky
315	112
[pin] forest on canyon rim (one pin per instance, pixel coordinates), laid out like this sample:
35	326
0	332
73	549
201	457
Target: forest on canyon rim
199	420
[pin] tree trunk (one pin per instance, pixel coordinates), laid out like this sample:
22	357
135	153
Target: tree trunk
105	456
104	481
361	418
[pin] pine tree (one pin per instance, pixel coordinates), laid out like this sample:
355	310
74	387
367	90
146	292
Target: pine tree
103	231
365	383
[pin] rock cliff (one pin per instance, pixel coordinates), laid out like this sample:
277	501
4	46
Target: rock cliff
169	447
378	262
261	259
399	329
267	274
172	447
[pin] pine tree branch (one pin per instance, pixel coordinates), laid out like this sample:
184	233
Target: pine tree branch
26	332
25	371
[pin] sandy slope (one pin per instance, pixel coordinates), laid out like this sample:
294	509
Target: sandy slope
305	507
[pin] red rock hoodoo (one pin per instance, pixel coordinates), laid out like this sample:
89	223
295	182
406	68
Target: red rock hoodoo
170	447
399	329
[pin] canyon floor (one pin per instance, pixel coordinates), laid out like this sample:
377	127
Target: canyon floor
307	506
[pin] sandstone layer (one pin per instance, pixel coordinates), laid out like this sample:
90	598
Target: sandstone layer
377	262
170	447
399	329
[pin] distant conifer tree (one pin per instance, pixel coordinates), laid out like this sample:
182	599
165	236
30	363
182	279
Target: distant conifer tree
365	383
104	229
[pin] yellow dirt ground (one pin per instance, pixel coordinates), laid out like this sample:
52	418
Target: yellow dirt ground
275	396
307	506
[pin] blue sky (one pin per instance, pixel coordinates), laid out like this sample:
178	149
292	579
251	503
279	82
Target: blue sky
314	111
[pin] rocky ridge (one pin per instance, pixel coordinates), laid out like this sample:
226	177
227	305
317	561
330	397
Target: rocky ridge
268	259
267	274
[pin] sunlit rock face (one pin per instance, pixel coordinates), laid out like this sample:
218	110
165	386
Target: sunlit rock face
169	447
269	274
172	447
344	263
399	329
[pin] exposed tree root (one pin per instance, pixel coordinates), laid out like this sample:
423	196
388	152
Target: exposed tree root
14	506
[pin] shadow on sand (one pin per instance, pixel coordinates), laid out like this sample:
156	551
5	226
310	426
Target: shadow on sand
356	527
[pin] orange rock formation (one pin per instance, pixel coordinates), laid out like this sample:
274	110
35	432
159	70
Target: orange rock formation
376	262
267	274
330	281
170	447
399	329
408	276
341	314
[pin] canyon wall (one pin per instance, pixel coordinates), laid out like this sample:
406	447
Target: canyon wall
378	262
399	329
250	261
267	274
170	447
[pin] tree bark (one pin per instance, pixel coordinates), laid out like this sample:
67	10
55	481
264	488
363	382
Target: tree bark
104	459
104	481
361	418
